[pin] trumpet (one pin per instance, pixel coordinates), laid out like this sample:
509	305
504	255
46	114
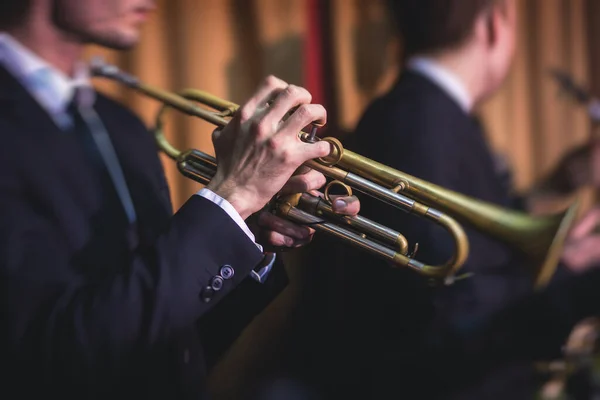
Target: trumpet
580	357
540	239
577	93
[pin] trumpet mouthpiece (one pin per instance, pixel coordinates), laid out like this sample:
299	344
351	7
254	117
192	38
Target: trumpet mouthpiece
99	67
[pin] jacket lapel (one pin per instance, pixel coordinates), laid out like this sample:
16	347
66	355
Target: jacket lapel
60	174
57	171
20	107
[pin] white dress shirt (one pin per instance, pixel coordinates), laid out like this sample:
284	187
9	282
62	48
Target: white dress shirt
444	78
54	90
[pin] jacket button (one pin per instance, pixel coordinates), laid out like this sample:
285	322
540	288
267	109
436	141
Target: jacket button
227	271
206	294
216	283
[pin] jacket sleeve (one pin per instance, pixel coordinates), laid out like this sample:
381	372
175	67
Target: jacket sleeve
72	324
222	325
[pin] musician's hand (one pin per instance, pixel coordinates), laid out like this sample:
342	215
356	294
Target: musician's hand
258	151
582	248
273	232
578	168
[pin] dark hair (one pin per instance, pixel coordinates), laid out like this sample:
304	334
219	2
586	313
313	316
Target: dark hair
12	12
432	25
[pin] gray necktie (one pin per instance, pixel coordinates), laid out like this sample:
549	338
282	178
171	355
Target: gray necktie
99	147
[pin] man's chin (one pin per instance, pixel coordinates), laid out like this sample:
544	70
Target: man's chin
117	42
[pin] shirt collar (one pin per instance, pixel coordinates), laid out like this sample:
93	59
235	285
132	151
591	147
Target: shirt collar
444	78
51	87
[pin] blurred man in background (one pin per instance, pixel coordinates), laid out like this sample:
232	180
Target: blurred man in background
457	53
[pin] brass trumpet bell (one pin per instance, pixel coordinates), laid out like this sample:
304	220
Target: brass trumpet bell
539	238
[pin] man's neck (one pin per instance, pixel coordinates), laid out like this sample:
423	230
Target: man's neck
469	73
55	48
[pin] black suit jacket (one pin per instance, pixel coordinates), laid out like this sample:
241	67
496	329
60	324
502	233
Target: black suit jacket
88	314
417	128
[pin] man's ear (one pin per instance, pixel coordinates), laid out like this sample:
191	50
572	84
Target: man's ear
494	16
486	27
491	24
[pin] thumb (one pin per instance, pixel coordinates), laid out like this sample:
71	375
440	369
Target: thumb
346	205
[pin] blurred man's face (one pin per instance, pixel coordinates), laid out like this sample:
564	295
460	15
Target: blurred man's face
499	44
507	40
111	23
